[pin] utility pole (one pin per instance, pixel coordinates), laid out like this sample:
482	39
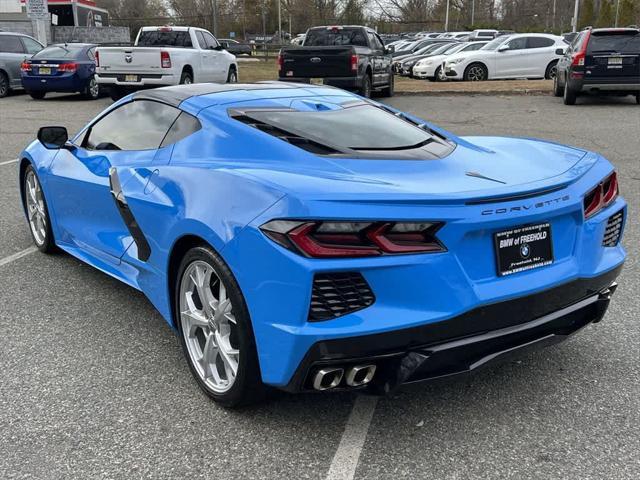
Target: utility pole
576	9
617	12
553	21
214	11
473	12
446	18
279	22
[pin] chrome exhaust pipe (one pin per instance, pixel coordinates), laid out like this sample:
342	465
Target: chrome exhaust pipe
360	375
327	378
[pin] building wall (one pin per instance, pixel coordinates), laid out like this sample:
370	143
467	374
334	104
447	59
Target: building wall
10	6
98	35
21	24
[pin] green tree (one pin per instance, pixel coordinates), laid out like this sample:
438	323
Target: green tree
353	13
629	13
606	15
587	14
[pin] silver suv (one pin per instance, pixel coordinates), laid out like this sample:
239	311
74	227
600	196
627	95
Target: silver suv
15	48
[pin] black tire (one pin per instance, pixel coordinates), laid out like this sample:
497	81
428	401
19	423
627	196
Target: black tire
186	78
569	95
638	98
232	76
476	72
116	93
37	95
557	89
4	85
389	90
47	244
437	75
365	88
92	90
247	387
551	71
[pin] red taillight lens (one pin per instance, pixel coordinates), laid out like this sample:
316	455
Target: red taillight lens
329	239
601	196
354	63
97	59
25	67
68	67
280	61
165	60
578	59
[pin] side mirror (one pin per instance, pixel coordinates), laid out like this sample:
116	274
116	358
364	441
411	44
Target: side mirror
53	137
503	48
389	49
559	51
218	48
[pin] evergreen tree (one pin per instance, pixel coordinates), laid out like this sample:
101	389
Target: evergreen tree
587	14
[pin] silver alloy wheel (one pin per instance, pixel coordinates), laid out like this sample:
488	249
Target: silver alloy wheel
553	71
441	75
208	326
94	88
4	85
35	208
476	73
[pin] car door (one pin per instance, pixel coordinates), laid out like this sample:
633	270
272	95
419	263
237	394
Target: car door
220	64
509	60
86	177
12	54
377	59
539	53
207	71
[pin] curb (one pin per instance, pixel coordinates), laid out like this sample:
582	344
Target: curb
439	93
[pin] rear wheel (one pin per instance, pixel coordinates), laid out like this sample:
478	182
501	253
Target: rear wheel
215	330
570	95
390	89
476	72
4	85
232	76
92	91
37	95
552	70
186	78
35	206
557	89
365	88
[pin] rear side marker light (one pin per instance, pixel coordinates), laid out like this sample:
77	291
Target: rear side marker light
333	239
601	196
165	60
97	59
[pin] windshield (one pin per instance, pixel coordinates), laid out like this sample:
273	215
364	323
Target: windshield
157	38
344	127
627	42
450	48
328	37
60	51
495	43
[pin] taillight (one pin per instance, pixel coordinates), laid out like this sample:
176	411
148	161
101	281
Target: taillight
354	63
330	239
25	67
577	60
601	196
280	61
97	59
165	60
68	67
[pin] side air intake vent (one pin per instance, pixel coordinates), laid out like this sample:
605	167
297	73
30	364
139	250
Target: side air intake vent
613	230
337	294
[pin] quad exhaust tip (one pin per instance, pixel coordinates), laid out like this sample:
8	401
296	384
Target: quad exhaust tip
331	377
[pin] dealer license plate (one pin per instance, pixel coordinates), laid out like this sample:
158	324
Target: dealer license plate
131	78
317	81
44	71
523	248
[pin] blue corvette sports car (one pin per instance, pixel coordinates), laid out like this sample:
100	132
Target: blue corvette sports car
306	238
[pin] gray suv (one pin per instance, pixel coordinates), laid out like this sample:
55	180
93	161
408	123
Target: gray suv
15	48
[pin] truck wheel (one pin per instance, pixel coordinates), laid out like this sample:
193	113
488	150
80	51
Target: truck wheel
116	93
569	95
557	89
389	90
37	95
4	85
232	76
186	78
365	88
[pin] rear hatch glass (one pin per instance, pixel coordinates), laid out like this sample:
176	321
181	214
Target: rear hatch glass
614	42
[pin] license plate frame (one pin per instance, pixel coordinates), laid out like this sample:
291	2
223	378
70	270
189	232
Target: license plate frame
131	78
44	70
523	248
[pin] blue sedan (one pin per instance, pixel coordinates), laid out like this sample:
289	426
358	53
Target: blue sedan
305	238
69	67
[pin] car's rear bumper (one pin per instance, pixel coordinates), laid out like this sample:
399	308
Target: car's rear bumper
145	80
463	343
605	84
346	83
63	83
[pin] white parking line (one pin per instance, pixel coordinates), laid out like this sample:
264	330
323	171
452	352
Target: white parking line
344	463
8	162
17	255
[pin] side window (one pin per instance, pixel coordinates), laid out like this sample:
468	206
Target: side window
539	42
469	48
201	41
184	126
518	43
10	44
211	42
138	125
375	43
30	45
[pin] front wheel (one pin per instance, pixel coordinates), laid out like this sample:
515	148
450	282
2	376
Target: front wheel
37	212
215	330
476	72
551	71
4	85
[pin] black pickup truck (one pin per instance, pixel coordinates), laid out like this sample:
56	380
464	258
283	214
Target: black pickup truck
349	57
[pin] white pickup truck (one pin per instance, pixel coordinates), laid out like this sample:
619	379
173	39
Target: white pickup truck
164	56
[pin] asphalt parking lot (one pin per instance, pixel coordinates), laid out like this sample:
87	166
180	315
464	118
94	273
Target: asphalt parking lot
93	383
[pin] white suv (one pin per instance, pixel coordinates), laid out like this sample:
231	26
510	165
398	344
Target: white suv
527	55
